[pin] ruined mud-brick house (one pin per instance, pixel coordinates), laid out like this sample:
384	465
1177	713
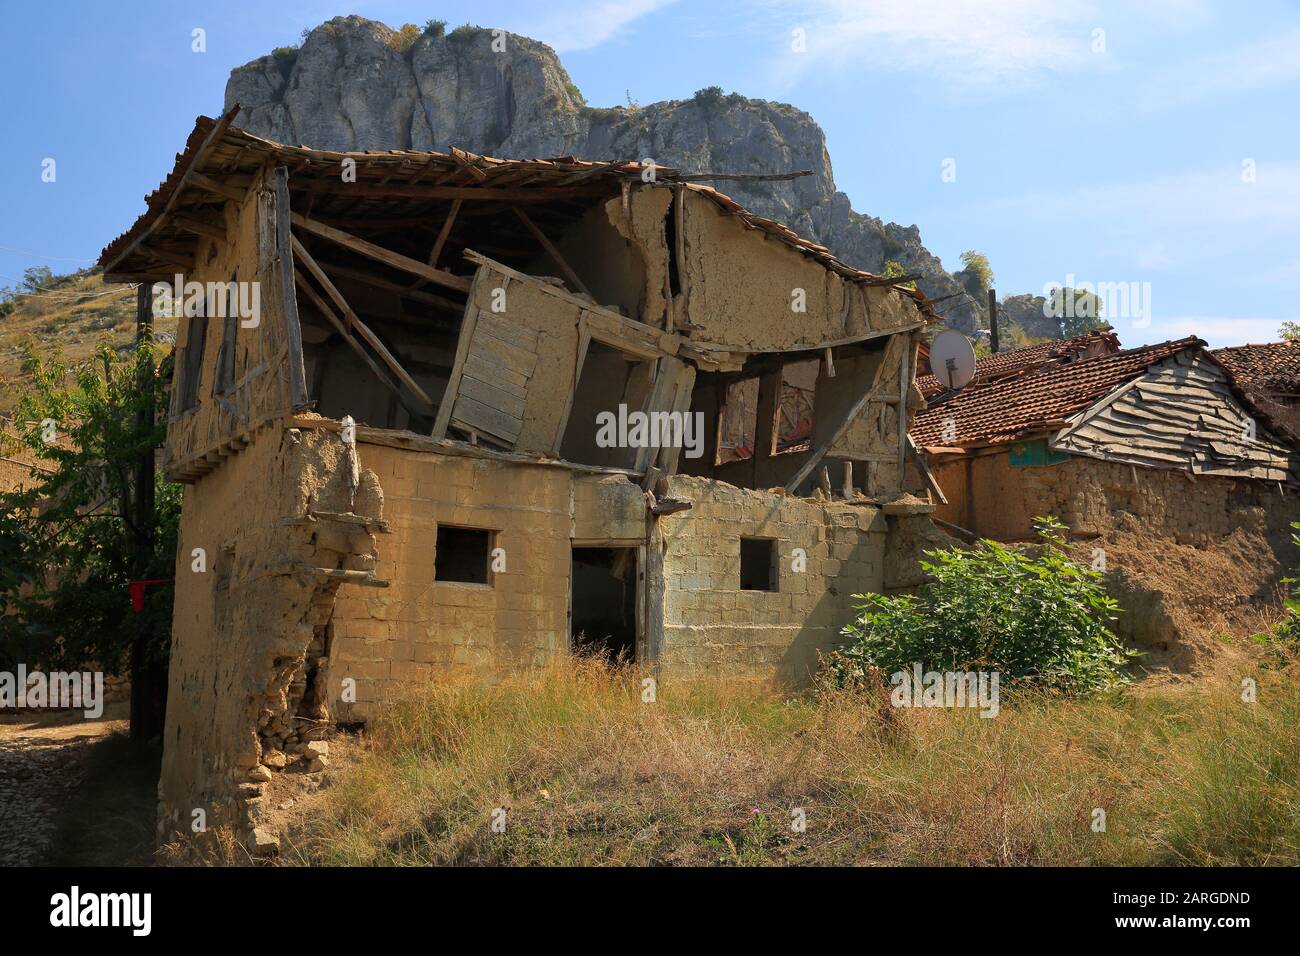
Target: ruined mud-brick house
1166	472
475	318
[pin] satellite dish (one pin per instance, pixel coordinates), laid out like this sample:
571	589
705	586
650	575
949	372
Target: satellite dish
952	359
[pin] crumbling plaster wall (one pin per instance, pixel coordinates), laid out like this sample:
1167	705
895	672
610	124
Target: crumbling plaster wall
712	627
740	284
248	610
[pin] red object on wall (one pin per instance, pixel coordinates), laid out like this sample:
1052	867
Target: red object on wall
137	591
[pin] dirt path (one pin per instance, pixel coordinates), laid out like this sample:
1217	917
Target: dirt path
42	763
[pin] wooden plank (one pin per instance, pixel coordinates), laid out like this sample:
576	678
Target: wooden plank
551	251
923	467
584	342
548	194
492	421
416	295
288	296
354	322
480	366
684	388
517	359
517	335
444	232
200	227
491	396
443	418
380	254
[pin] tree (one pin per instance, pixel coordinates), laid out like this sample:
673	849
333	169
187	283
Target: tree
86	527
894	269
1290	332
37	278
976	264
1076	311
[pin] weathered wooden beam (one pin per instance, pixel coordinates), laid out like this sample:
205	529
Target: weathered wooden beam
284	263
443	233
380	254
200	227
417	295
481	193
354	322
549	248
324	309
217	188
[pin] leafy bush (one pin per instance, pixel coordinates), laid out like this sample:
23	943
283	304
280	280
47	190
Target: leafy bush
1287	629
466	31
1033	615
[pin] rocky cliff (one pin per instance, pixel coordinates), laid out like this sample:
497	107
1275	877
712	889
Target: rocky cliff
356	84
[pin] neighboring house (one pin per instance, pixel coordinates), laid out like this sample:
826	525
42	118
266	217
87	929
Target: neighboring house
1167	408
1270	375
994	368
483	322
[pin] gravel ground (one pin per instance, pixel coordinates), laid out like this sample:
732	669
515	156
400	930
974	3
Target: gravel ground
42	760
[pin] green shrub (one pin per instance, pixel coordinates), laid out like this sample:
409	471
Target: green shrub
435	28
466	31
1031	614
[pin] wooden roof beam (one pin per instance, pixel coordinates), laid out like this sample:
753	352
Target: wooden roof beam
380	254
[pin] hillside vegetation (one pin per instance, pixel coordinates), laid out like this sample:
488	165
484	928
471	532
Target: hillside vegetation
71	314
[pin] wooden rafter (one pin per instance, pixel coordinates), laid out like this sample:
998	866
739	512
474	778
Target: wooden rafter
380	254
353	322
323	307
441	241
406	191
549	248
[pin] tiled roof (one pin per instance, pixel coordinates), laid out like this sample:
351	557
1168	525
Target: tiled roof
1270	368
1037	402
991	368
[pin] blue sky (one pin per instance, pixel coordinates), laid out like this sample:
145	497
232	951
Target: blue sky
1089	139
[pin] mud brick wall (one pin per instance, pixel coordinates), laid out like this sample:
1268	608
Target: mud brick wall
392	639
991	498
713	627
243	626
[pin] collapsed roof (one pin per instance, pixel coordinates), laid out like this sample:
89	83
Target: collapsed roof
419	185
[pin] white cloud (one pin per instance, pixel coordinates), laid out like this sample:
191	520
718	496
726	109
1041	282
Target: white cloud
976	46
570	28
1245	69
979	41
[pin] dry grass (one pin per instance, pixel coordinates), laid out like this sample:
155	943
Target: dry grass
712	773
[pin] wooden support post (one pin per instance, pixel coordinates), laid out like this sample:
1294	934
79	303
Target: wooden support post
353	322
284	263
551	251
993	321
826	482
848	480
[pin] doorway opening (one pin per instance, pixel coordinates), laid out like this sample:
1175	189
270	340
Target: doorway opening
602	603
